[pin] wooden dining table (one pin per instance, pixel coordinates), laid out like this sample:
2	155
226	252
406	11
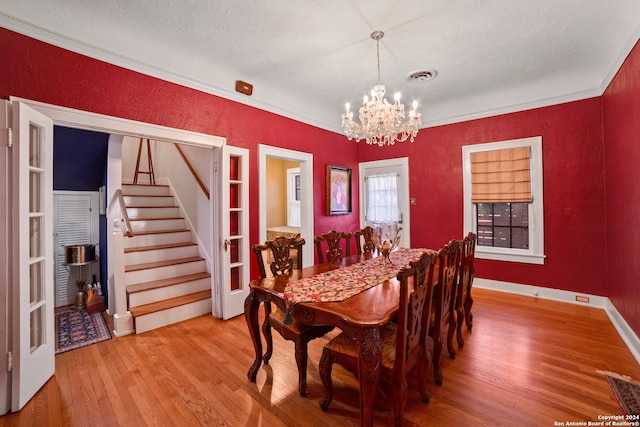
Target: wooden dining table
359	316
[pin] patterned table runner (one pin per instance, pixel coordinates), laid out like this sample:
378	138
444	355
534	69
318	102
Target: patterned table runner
342	283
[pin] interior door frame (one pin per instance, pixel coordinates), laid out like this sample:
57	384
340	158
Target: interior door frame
306	190
403	164
117	127
6	332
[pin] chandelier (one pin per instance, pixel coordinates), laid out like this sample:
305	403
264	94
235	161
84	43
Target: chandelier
381	122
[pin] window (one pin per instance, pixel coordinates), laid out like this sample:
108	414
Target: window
504	207
382	198
503	225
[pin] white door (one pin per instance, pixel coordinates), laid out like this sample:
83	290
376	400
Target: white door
235	230
293	197
32	275
396	201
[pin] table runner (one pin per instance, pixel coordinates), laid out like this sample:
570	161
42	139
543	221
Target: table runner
342	283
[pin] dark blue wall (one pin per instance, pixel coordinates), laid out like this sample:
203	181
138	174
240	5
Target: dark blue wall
79	159
80	164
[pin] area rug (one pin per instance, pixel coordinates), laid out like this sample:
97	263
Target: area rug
77	328
627	392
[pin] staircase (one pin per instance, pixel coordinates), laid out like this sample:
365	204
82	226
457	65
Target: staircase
165	278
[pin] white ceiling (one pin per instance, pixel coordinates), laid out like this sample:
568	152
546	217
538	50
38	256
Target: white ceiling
307	58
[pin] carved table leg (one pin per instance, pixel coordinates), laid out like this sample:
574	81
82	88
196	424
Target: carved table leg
251	306
369	372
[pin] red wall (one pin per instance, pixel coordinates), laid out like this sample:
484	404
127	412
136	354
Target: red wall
573	190
42	72
577	243
621	103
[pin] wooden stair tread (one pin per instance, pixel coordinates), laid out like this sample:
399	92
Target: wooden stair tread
155	264
169	303
144	185
156	247
153	207
155	219
147	233
154	284
147	195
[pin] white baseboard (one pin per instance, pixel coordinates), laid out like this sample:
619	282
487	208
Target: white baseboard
626	333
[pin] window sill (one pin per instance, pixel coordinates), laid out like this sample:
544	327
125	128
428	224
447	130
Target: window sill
510	257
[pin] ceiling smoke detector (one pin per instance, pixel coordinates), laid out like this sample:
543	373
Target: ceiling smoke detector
422	76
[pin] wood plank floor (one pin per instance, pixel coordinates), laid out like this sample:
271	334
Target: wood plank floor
527	362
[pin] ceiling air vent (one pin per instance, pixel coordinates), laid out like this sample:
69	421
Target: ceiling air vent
422	76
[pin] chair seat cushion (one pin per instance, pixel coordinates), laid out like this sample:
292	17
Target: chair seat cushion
278	316
348	346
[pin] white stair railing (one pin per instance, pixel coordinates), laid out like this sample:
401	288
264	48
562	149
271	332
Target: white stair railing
122	318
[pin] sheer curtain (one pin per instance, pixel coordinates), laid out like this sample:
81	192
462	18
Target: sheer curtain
382	199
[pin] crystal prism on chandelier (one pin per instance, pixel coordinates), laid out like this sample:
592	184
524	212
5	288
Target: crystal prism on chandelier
381	122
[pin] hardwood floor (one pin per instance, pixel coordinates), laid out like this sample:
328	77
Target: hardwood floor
527	362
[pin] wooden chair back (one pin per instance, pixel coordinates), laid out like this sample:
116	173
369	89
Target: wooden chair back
444	303
466	273
364	240
403	345
414	317
290	329
336	250
280	249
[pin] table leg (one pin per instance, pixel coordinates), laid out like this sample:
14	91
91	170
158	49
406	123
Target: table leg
369	372
251	306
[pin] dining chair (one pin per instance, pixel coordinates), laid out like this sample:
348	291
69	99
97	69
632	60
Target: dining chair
464	301
293	330
334	251
364	240
444	311
403	344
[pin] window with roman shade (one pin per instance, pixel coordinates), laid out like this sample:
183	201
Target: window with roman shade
500	176
503	199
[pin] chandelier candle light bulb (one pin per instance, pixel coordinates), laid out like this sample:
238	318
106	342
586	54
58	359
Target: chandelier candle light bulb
381	123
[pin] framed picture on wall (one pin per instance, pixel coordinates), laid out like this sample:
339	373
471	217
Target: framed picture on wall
338	190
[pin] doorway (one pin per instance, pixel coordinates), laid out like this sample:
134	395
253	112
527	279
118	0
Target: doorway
305	193
398	201
116	127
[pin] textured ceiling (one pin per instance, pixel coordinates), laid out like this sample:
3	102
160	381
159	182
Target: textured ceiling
307	58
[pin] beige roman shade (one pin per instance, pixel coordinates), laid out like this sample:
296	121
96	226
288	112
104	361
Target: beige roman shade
501	176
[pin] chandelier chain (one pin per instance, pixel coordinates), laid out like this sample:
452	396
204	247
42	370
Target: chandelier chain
378	53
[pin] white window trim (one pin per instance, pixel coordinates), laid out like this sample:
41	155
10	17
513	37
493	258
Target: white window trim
535	253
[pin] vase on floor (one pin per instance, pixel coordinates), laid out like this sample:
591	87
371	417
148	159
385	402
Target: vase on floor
80	300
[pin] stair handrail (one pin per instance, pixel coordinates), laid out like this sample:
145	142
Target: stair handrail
128	231
193	172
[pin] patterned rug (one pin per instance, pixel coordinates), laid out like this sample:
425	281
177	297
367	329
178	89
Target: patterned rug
77	328
627	392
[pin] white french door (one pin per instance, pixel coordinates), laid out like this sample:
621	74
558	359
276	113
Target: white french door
33	356
234	179
293	197
400	168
